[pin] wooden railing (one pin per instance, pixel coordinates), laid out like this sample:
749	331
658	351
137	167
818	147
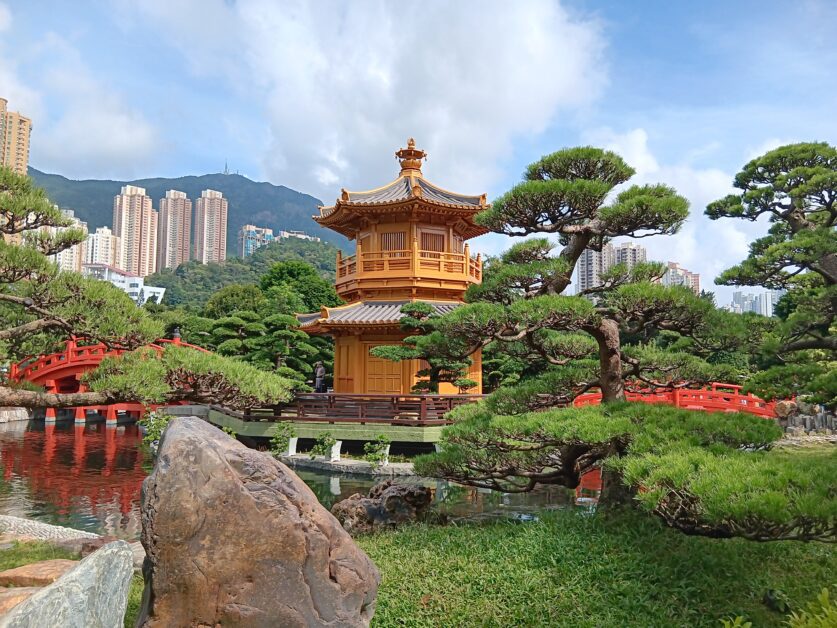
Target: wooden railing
409	262
411	410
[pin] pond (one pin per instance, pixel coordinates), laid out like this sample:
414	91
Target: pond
89	477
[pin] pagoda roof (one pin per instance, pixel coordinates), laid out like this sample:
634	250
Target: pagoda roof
365	313
409	186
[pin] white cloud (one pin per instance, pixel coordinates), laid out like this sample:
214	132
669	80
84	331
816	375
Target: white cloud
97	132
345	84
5	17
702	245
81	126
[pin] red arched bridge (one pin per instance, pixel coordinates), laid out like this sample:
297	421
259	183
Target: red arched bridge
61	373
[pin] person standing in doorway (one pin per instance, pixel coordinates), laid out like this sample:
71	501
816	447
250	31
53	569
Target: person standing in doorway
319	378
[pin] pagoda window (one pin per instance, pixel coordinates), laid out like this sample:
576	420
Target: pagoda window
458	244
394	241
432	242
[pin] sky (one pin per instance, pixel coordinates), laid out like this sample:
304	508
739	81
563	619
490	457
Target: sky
318	95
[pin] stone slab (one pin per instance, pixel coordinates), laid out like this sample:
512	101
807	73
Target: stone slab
36	574
9	598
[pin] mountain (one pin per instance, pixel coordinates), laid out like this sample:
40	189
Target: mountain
250	202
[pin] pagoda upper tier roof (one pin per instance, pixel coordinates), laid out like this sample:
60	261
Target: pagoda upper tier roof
410	186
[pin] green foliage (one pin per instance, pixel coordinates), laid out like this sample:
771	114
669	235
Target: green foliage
233	298
283	432
796	187
322	446
154	422
181	373
228	431
819	614
705	473
543	573
192	284
376	451
312	288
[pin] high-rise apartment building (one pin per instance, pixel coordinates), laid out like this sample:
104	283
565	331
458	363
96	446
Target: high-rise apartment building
72	258
135	224
174	236
102	247
592	264
628	253
14	139
251	237
211	227
677	276
763	303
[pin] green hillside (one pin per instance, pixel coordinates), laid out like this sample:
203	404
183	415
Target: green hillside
191	284
259	203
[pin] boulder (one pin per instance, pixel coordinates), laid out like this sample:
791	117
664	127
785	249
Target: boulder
386	505
785	409
93	594
9	598
234	538
36	574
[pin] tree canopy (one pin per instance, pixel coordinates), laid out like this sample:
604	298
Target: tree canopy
630	332
44	307
795	188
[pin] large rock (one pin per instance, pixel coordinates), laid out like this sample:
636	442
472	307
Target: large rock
94	594
36	574
234	538
386	505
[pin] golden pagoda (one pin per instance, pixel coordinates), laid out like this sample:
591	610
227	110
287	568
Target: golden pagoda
411	245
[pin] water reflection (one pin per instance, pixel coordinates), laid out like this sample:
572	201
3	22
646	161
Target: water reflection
90	477
83	476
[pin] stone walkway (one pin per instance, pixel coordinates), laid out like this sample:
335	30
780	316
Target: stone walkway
17	526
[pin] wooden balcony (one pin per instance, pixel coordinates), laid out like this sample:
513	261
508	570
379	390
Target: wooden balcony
407	267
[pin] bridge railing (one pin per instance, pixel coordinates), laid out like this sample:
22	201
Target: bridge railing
86	357
718	397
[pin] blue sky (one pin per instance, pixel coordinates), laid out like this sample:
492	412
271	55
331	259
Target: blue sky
317	96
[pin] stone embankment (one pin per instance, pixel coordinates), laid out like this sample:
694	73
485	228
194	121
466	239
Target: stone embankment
799	418
7	415
348	465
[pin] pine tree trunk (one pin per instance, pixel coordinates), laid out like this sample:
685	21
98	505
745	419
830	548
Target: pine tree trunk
610	361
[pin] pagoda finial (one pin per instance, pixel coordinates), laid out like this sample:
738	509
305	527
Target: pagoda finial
410	159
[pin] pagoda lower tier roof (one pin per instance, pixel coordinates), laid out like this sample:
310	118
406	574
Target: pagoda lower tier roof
365	314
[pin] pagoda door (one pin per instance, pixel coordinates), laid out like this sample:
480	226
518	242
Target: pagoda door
382	376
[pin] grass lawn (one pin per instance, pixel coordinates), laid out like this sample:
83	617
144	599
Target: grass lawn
575	570
32	552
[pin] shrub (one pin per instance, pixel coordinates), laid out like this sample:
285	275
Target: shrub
377	451
282	435
154	422
322	447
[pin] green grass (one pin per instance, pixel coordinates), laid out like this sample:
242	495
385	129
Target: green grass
134	601
572	570
32	552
